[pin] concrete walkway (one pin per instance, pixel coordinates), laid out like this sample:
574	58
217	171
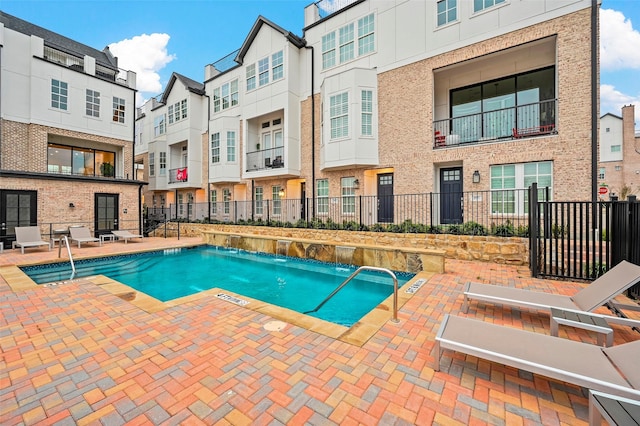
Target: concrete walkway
77	354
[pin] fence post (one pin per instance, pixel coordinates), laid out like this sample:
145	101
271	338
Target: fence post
534	231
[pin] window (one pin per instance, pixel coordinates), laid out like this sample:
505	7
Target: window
277	67
231	146
159	126
365	35
608	129
277	203
224	93
177	111
216	101
263	71
183	109
259	198
251	77
215	148
322	196
367	113
226	199
601	173
618	168
118	110
80	161
339	115
152	164
348	191
214	201
93	103
509	181
163	163
234	92
59	94
345	42
616	148
328	50
479	5
447	11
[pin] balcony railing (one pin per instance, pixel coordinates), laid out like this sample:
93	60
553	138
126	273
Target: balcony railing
178	175
537	119
271	158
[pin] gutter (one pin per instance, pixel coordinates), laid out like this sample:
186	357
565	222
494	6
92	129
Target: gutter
594	99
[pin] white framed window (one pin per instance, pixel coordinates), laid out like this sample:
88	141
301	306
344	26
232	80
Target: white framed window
224	93
234	92
258	197
226	199
152	164
601	173
118	110
93	103
225	96
322	196
348	192
328	50
277	202
346	43
618	168
339	115
215	148
214	201
447	11
231	146
217	101
251	77
163	163
183	109
366	35
263	71
277	66
159	125
479	5
181	204
509	182
59	94
616	148
367	113
177	111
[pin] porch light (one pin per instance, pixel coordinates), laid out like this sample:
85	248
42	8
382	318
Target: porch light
71	205
281	193
476	177
356	184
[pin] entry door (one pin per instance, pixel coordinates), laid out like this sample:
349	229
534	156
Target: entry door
17	208
106	213
451	195
385	198
303	201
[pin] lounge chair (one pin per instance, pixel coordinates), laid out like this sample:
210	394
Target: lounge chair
596	294
613	370
29	236
125	235
81	234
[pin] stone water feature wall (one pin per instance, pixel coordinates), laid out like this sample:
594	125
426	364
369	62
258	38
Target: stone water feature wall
503	250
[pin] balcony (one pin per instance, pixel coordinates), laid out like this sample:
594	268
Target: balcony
523	121
178	175
272	158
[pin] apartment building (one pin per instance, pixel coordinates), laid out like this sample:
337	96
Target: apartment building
66	139
464	99
619	155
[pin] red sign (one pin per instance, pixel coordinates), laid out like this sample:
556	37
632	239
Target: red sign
603	190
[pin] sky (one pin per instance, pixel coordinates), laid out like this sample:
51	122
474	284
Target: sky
157	37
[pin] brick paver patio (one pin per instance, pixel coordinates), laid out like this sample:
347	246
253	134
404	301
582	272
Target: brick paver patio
76	354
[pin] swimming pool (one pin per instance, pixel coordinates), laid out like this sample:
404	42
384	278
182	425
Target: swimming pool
296	284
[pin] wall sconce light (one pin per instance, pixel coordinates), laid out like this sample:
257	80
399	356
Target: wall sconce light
476	177
71	205
281	193
356	184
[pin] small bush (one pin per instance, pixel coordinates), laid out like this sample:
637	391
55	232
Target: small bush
473	228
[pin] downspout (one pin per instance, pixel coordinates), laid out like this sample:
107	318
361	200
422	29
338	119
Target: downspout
1	119
594	99
208	157
313	138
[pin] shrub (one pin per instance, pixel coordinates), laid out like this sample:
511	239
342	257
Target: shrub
473	228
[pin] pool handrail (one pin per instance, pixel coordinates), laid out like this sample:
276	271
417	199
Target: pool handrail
66	242
357	271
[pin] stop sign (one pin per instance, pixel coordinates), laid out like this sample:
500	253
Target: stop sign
603	190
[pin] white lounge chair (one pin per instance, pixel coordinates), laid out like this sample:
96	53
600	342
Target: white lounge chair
613	370
29	236
81	234
125	235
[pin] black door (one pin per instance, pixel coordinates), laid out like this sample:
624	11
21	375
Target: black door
451	195
385	198
106	213
17	208
303	199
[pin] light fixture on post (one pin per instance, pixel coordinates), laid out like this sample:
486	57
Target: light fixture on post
476	177
71	205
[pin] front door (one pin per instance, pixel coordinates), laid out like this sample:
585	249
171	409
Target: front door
17	208
385	198
106	213
451	196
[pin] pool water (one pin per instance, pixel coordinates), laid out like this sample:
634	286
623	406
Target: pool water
296	284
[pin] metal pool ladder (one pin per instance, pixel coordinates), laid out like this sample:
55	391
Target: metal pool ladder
66	243
357	271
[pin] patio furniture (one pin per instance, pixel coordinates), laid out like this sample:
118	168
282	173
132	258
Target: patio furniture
29	236
613	370
126	235
602	290
81	234
614	409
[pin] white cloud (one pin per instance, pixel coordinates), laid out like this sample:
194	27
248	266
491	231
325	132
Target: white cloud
612	100
619	42
145	54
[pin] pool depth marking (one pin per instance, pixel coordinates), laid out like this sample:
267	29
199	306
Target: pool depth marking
415	286
232	299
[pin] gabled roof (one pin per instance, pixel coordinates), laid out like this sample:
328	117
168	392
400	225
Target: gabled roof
191	85
299	42
59	42
612	115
